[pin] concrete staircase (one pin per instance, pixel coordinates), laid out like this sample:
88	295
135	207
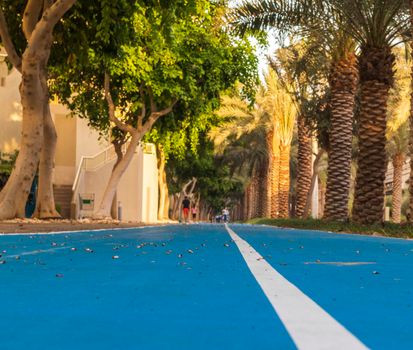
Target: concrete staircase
63	197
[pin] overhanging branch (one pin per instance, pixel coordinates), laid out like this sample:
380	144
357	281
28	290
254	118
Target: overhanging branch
46	24
13	57
112	117
31	16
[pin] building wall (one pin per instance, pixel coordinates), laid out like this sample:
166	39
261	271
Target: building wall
149	173
10	113
137	191
89	142
65	160
128	194
74	137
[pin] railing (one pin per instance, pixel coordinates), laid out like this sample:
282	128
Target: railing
90	163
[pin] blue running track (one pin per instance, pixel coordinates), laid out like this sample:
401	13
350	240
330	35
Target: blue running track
188	287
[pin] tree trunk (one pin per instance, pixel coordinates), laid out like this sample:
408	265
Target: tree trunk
321	198
376	77
45	203
274	173
257	199
398	162
410	216
304	165
106	202
267	191
175	206
250	201
14	195
263	190
313	182
284	181
245	205
343	83
161	183
117	144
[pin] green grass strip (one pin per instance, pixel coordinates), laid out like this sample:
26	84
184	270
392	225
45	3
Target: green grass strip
403	230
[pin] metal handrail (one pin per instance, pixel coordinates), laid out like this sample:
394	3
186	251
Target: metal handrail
83	166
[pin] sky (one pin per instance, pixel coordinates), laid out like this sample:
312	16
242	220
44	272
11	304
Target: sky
262	52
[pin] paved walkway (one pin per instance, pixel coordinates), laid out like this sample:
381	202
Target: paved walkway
205	287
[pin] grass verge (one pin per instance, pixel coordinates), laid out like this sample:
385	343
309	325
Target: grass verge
388	229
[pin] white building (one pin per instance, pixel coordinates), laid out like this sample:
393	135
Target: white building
83	161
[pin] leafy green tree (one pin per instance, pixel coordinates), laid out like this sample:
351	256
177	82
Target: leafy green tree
171	59
215	186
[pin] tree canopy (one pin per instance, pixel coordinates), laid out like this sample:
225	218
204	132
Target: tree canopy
155	53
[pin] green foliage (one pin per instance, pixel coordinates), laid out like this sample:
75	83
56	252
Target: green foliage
304	68
7	161
171	51
214	182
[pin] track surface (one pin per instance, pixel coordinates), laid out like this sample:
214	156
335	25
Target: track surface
188	287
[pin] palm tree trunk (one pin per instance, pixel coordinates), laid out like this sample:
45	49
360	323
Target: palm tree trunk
343	82
304	166
263	193
250	201
398	162
245	204
255	185
274	173
284	181
376	78
269	176
411	123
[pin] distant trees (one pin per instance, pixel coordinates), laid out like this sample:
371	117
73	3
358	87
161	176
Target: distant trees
255	141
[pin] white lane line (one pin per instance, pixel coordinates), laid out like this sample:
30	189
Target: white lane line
38	251
2	234
310	327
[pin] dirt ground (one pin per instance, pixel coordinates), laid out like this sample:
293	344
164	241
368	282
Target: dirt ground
36	226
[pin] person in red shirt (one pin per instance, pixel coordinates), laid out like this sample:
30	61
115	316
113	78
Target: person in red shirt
186	203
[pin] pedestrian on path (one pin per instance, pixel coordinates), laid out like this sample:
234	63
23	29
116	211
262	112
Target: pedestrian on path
186	203
193	210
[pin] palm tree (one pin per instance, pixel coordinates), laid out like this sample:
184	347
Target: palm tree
241	141
397	148
398	129
281	111
304	165
269	123
343	81
411	119
321	24
302	69
376	25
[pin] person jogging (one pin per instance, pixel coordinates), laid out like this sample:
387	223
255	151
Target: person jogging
186	203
